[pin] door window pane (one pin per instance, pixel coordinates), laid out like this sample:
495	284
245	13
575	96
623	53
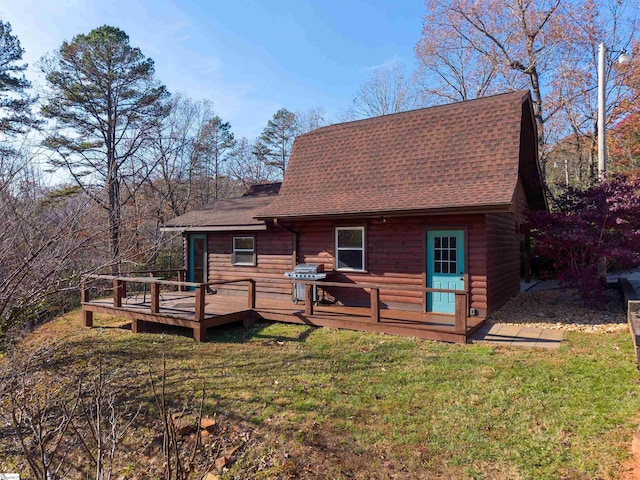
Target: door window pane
445	255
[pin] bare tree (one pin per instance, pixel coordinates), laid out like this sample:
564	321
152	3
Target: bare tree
39	411
386	91
311	119
42	240
474	48
247	168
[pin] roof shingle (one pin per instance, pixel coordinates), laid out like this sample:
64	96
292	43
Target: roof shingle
459	155
230	212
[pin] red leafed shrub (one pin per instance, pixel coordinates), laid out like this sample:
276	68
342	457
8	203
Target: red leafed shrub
590	230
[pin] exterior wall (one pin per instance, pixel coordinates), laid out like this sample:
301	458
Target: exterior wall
273	258
396	254
503	259
521	205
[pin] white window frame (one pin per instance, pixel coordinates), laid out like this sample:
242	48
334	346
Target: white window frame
362	249
243	250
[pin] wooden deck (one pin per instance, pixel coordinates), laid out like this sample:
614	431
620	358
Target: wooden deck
179	308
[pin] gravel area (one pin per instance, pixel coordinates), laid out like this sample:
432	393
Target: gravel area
562	309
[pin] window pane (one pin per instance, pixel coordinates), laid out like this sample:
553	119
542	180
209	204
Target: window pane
452	267
445	242
244	257
445	254
349	238
437	254
438	267
350	259
452	242
243	242
437	239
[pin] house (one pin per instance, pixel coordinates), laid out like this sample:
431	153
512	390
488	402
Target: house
433	198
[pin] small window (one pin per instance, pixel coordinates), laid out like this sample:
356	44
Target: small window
350	248
244	251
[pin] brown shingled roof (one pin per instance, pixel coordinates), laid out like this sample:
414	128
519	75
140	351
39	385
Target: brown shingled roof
229	213
451	156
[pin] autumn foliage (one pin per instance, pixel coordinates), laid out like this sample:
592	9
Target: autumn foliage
590	231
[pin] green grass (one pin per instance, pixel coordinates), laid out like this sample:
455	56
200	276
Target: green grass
337	404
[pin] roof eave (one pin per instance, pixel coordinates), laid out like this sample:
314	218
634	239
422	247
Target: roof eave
487	208
215	228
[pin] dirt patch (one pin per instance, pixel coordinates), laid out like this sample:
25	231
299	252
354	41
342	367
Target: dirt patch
562	309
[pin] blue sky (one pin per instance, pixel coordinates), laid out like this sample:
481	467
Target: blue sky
249	57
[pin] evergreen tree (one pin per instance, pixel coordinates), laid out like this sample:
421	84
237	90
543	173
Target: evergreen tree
105	101
274	146
14	102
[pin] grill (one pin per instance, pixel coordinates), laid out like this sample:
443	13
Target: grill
306	271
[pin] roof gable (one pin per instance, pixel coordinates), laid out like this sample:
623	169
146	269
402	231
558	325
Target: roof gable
460	155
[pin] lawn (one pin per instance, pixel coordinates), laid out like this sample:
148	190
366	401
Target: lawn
321	403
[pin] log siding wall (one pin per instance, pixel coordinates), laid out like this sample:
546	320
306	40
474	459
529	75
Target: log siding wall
395	254
503	259
273	257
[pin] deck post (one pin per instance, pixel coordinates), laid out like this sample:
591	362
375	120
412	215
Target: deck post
87	318
460	325
136	325
201	291
308	299
251	293
118	292
375	305
155	298
199	333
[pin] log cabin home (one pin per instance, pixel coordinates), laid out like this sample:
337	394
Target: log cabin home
433	198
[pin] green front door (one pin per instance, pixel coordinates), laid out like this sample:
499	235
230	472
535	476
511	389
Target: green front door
197	258
445	268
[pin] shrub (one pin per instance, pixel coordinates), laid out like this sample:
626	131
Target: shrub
590	230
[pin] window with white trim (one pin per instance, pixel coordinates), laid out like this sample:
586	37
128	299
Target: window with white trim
244	252
350	248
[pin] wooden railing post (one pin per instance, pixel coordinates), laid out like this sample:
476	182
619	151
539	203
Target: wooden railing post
460	325
201	291
84	293
155	298
375	305
251	293
182	274
119	291
308	299
87	316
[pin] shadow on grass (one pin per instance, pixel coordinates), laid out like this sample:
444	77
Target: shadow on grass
230	333
236	333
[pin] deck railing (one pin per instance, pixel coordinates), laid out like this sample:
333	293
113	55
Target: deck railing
120	292
461	304
120	288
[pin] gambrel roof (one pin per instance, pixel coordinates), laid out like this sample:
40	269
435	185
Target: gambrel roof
466	156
